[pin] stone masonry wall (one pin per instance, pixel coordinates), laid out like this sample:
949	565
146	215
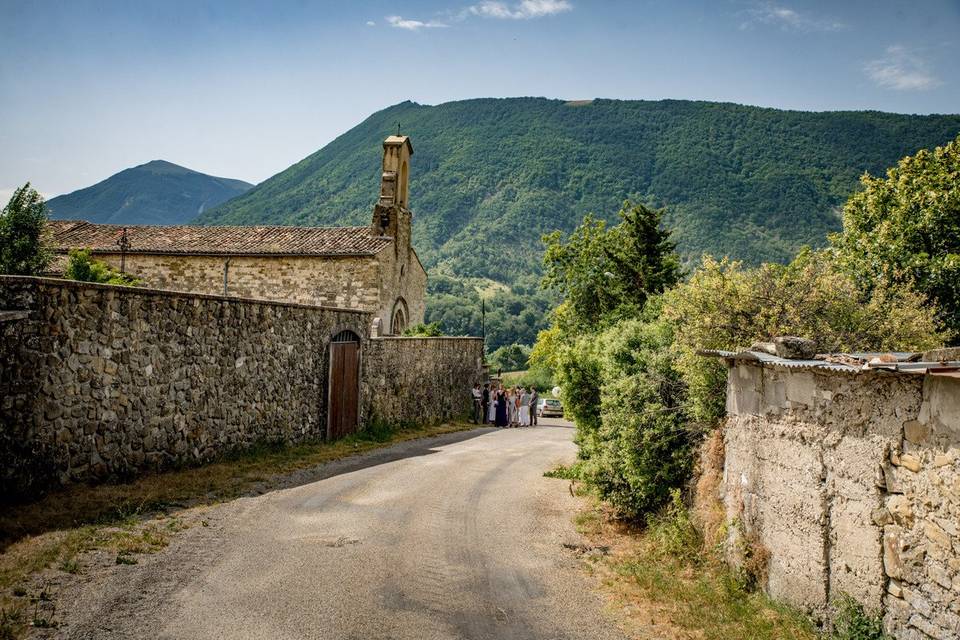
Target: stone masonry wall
852	483
105	382
423	379
347	282
102	382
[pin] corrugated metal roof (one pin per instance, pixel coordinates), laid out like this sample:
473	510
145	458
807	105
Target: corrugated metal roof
849	363
186	239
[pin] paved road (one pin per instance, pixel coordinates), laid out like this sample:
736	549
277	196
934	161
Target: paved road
455	537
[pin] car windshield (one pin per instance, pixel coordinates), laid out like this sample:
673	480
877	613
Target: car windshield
553	403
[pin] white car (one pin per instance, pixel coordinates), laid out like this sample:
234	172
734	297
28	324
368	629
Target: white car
550	407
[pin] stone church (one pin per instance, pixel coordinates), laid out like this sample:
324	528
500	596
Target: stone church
373	268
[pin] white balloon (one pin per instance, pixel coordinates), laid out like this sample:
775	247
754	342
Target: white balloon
556	392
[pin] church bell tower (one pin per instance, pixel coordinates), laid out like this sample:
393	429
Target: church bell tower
393	203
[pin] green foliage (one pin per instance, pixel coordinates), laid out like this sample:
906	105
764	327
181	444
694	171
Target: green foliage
515	314
513	357
851	622
563	472
22	251
636	447
725	306
673	532
537	377
905	229
157	192
490	177
426	330
82	267
605	274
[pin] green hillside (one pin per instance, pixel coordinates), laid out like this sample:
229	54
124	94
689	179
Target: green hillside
489	176
157	192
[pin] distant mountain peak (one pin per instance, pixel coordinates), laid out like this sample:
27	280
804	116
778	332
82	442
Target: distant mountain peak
156	192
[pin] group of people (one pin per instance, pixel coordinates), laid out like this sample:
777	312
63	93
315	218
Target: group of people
505	407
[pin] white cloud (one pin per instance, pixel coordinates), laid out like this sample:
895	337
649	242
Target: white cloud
371	23
524	10
901	69
788	19
412	25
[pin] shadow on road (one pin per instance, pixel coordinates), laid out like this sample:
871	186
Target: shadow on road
148	495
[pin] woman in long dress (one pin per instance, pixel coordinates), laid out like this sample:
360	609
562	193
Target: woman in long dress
524	408
512	406
502	411
492	406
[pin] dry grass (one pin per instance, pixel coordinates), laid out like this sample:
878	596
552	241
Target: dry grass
140	516
708	511
660	583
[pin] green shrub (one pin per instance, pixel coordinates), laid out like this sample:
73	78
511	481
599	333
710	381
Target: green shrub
82	267
627	399
851	622
673	531
431	330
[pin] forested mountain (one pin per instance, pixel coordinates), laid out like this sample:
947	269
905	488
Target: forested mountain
157	192
490	176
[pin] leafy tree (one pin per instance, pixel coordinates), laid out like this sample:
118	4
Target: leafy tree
81	266
905	228
22	250
725	306
512	357
606	274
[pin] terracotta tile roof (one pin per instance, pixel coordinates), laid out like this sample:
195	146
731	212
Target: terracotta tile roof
185	239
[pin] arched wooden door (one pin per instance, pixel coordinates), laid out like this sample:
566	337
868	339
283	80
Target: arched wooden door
343	406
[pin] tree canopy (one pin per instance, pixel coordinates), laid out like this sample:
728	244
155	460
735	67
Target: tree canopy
22	251
905	228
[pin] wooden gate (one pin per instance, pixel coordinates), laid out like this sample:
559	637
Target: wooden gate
344	395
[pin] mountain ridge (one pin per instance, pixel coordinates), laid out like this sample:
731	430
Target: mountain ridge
155	192
755	183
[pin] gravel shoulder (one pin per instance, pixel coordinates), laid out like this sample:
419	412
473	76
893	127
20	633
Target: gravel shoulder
458	536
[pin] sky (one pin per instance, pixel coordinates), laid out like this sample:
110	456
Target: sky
243	89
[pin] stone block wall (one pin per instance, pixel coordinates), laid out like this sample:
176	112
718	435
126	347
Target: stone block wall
347	282
851	481
102	382
423	379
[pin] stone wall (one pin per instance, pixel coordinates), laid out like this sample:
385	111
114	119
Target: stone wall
350	282
423	379
851	481
102	382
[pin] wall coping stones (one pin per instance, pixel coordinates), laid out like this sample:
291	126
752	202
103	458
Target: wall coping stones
169	293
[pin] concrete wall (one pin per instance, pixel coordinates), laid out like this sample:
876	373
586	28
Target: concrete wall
400	371
101	382
852	483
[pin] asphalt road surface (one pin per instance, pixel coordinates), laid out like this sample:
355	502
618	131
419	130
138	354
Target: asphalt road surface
459	536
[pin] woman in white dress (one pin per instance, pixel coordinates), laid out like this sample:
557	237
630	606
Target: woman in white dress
524	408
492	408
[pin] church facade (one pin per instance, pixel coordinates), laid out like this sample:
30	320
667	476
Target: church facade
371	268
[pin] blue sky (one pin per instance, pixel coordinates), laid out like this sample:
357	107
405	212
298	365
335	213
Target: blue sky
243	89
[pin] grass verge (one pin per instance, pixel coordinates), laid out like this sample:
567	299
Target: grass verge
660	584
140	516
